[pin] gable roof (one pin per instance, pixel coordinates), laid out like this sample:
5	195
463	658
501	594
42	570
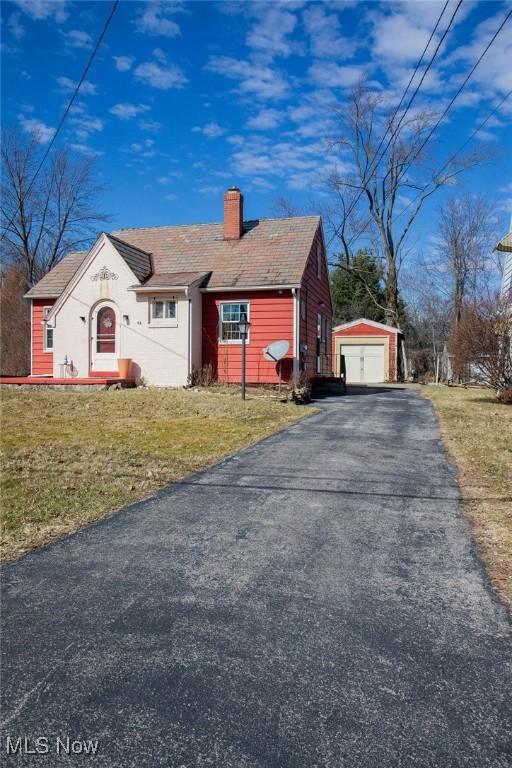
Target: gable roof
364	320
54	282
505	244
270	252
138	260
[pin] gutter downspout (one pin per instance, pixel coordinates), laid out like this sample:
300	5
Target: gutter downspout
189	332
296	316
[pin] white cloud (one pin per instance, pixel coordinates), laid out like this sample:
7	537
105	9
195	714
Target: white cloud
269	36
127	111
324	32
160	55
212	130
331	75
77	38
40	10
495	70
16	29
257	80
210	190
155	19
161	77
86	89
153	126
265	120
86	150
40	131
123	63
170	197
84	125
236	140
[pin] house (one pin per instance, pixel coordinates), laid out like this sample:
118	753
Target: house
170	298
505	245
370	350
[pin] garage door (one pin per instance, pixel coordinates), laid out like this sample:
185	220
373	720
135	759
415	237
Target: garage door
364	364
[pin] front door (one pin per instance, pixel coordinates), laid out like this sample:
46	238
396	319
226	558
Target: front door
104	338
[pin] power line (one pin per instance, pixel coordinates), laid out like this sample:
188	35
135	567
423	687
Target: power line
460	149
461	88
69	105
390	126
445	112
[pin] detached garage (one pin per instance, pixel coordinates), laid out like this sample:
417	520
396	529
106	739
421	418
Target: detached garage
370	350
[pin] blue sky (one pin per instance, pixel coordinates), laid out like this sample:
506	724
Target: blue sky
187	98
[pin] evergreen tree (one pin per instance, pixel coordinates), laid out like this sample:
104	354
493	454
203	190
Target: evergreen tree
358	291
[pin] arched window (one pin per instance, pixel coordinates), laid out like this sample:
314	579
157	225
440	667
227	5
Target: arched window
106	330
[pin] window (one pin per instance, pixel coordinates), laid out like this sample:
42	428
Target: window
47	331
162	310
230	315
319	260
48	338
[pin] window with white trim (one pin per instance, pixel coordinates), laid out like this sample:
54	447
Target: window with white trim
47	331
230	316
163	311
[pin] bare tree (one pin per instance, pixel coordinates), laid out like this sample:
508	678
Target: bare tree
378	183
14	324
57	214
464	244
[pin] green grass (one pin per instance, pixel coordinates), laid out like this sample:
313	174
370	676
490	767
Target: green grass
70	457
478	433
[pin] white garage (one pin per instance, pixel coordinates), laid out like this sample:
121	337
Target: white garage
364	364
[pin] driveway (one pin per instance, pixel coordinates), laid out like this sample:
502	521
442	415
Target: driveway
313	601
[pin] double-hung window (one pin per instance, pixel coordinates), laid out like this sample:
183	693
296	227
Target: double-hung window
163	311
230	316
48	331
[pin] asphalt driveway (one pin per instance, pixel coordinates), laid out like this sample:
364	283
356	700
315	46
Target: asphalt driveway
314	601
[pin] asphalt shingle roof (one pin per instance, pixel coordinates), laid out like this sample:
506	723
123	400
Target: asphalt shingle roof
171	279
271	252
52	284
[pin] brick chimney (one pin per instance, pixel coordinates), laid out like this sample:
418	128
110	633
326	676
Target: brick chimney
233	214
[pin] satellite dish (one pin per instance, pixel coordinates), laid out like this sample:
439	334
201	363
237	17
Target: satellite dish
276	351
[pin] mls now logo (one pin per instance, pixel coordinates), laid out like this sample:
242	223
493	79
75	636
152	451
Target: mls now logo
41	745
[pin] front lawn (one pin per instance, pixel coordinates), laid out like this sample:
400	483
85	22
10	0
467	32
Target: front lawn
478	434
70	457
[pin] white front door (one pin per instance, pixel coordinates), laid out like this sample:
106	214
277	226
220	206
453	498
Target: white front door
104	338
364	364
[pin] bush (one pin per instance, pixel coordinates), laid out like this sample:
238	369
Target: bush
481	344
202	377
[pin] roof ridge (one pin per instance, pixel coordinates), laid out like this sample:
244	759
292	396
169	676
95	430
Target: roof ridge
214	223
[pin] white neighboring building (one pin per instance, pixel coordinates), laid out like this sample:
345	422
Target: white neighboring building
505	245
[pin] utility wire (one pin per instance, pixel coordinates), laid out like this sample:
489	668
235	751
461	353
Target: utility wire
376	159
460	149
69	105
445	112
462	86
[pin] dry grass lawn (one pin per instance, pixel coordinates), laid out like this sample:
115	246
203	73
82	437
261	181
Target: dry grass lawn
478	433
70	457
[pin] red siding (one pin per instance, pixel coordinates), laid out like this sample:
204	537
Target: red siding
364	329
315	298
42	362
271	318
